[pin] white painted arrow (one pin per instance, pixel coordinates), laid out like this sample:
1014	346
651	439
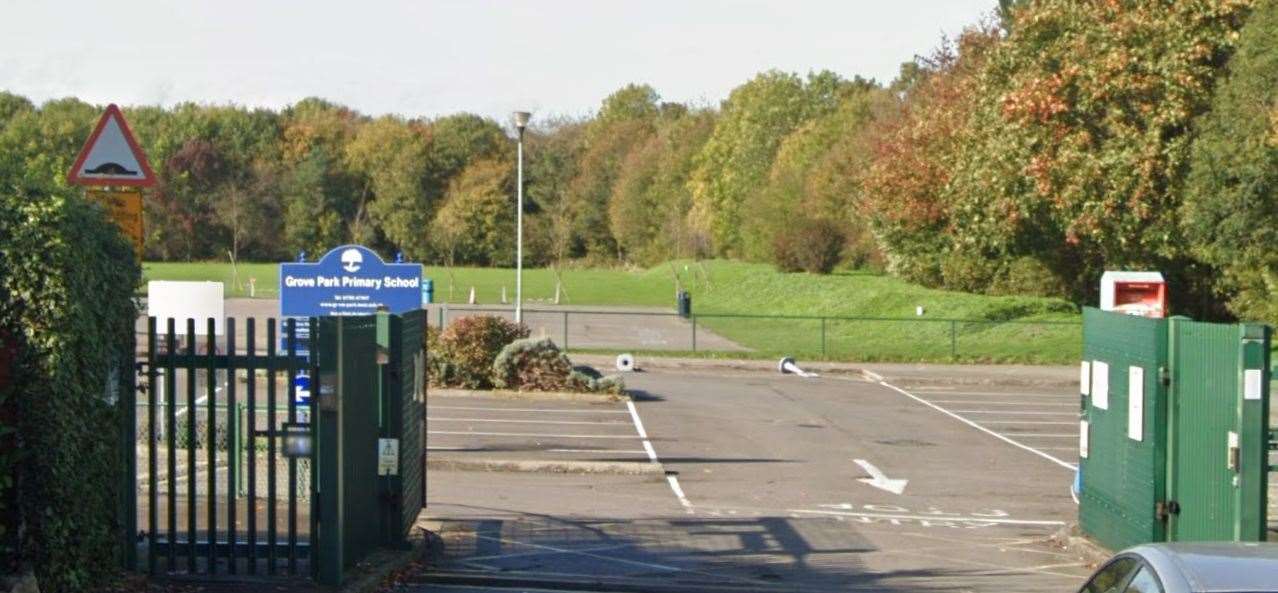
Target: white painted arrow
879	480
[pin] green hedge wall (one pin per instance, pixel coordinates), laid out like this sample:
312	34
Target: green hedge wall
67	279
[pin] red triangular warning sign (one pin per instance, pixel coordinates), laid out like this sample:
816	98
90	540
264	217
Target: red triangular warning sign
111	156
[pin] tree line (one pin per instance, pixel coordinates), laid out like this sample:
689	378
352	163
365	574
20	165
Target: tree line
1051	141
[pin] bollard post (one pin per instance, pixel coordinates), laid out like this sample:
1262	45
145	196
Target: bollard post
565	331
953	339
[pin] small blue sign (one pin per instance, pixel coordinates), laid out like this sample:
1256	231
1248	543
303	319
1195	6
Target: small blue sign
349	280
302	389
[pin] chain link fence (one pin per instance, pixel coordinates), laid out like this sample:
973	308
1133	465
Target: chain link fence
814	337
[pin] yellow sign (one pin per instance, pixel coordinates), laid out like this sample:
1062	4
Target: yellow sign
125	208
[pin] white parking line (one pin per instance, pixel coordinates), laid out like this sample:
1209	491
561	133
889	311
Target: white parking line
992	433
1056	422
930	518
531	434
634	416
574	422
1045	436
600	451
652	456
547	410
683	500
1015	413
652	453
988	403
936	391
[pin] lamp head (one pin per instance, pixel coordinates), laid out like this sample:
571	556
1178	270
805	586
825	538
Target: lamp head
521	119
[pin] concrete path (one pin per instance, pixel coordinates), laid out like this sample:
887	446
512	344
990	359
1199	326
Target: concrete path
625	328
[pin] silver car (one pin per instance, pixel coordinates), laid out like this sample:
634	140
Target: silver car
1189	568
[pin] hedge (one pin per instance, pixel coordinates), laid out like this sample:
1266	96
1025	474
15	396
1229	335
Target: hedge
67	279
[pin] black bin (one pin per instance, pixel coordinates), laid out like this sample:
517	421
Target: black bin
685	304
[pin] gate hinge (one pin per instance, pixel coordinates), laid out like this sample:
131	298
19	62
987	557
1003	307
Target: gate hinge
1164	376
1163	509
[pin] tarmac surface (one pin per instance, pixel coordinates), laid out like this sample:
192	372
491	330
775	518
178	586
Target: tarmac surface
767	482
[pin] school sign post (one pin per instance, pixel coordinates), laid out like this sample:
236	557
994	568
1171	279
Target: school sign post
349	280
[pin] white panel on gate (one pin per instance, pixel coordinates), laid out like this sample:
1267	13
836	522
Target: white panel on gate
1253	380
1085	378
180	301
1100	384
1136	403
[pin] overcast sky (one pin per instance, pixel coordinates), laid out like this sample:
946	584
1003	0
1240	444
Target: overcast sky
433	57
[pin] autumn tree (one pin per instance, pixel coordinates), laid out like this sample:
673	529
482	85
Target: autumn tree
1230	213
1075	156
625	121
474	225
753	121
649	206
816	177
390	156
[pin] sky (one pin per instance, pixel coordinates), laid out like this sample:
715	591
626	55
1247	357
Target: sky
428	58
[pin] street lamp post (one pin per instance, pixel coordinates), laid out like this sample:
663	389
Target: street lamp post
521	122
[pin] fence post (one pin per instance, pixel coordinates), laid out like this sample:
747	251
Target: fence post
953	339
237	454
565	331
693	317
822	337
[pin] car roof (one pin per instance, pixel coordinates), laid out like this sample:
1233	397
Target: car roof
1217	566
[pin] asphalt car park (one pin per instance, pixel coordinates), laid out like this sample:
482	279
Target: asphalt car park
479	429
769	482
1043	419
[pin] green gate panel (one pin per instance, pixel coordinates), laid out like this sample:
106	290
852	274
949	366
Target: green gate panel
1124	478
409	401
1196	467
347	401
371	377
1253	488
1222	495
1203	412
360	432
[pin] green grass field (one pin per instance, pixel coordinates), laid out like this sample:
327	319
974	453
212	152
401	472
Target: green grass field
717	287
727	297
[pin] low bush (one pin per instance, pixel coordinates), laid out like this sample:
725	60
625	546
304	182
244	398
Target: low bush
809	245
464	352
539	365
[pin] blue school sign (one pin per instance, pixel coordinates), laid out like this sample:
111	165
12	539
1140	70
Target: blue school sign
349	280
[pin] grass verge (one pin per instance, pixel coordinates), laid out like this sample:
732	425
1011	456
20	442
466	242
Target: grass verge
867	317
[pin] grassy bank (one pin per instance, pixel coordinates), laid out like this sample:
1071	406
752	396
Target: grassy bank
866	316
717	287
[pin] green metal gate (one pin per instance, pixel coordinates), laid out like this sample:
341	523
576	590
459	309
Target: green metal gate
1174	430
1123	477
371	378
219	495
1218	447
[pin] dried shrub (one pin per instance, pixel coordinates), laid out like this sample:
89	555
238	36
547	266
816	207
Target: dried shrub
539	365
466	350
